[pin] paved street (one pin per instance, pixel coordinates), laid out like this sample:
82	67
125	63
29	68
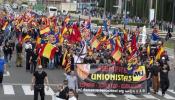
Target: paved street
16	86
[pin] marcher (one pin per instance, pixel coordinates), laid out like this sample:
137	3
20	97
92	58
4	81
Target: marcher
72	81
155	77
60	93
164	80
38	79
148	75
3	67
6	50
28	49
33	61
19	54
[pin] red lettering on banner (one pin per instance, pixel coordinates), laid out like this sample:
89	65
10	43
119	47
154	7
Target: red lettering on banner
125	86
84	84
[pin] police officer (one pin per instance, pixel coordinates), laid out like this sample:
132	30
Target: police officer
38	80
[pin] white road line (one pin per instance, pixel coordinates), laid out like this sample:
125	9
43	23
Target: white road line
130	96
172	91
49	92
8	90
90	94
27	90
166	96
149	96
109	95
6	74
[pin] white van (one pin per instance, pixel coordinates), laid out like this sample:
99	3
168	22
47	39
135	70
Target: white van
52	11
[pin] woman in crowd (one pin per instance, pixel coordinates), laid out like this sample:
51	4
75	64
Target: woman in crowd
164	80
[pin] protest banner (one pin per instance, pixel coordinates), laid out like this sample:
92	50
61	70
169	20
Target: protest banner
111	78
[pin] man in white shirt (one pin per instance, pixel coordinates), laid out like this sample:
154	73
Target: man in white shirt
72	81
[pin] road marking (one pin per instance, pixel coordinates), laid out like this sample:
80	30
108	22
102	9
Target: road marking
109	95
90	94
6	74
27	90
166	96
8	90
172	91
149	96
130	96
49	92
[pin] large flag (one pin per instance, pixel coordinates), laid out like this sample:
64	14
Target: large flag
75	35
45	30
116	54
5	25
48	51
95	43
159	53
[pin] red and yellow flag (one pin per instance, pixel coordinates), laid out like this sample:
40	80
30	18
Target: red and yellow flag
116	54
45	30
159	53
95	43
48	51
64	57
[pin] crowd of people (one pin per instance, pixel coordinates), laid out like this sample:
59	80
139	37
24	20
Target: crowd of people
52	46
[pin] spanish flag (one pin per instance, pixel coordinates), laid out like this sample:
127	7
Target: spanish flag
68	66
48	51
116	54
95	43
159	53
45	30
64	58
4	26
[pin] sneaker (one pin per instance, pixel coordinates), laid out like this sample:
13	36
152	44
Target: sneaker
148	93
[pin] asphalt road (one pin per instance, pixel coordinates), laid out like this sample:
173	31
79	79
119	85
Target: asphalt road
16	86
